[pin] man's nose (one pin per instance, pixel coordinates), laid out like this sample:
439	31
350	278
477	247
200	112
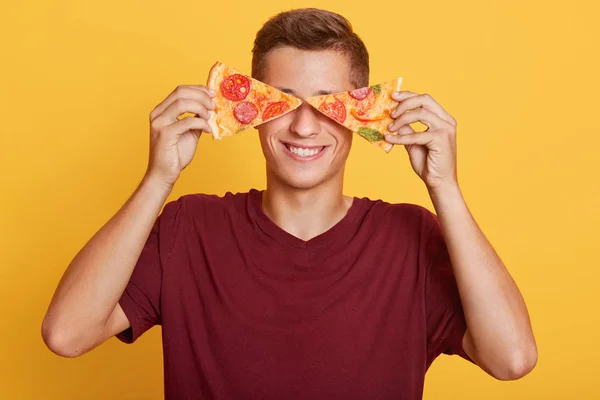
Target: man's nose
306	121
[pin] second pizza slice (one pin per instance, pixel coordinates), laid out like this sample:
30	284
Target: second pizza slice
243	102
365	111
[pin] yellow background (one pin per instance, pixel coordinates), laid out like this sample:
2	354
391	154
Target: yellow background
79	78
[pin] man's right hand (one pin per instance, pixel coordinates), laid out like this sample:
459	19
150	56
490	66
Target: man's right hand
173	141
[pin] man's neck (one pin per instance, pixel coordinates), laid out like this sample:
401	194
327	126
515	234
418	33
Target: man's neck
305	213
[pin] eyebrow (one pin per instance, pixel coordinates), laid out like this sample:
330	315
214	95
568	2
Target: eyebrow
319	93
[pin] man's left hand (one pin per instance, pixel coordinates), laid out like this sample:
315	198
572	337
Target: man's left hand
432	153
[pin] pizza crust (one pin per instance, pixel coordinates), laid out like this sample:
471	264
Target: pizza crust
213	74
387	147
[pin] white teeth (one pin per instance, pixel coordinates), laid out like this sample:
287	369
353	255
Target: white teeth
304	152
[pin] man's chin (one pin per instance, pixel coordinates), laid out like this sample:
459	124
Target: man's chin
304	184
301	182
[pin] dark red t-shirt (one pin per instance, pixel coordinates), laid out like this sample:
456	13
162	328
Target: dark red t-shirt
249	311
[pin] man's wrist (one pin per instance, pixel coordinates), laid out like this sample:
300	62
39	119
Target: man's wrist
446	197
156	187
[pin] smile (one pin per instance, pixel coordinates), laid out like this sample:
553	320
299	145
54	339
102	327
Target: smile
303	153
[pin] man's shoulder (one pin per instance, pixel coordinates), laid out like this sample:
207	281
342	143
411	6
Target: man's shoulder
399	211
206	205
196	201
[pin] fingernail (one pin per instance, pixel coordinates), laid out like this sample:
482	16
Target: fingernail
212	91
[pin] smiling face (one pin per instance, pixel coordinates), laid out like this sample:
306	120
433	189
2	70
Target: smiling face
304	148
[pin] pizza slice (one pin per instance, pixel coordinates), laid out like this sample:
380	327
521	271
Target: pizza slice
243	102
365	111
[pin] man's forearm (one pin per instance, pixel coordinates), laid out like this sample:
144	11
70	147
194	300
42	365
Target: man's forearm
499	336
97	276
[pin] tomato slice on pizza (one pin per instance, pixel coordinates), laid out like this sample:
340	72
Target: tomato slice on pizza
365	111
243	102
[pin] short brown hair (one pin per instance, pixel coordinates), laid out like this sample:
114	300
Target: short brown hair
312	29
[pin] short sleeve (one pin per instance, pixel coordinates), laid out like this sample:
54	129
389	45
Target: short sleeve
141	299
446	325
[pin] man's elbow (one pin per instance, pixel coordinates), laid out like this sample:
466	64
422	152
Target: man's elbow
520	365
59	340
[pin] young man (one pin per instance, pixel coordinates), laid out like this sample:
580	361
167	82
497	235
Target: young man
297	291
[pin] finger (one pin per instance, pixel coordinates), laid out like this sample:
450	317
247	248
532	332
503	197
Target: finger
419	138
412	101
422	115
179	107
403	95
405	129
199	93
187	124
